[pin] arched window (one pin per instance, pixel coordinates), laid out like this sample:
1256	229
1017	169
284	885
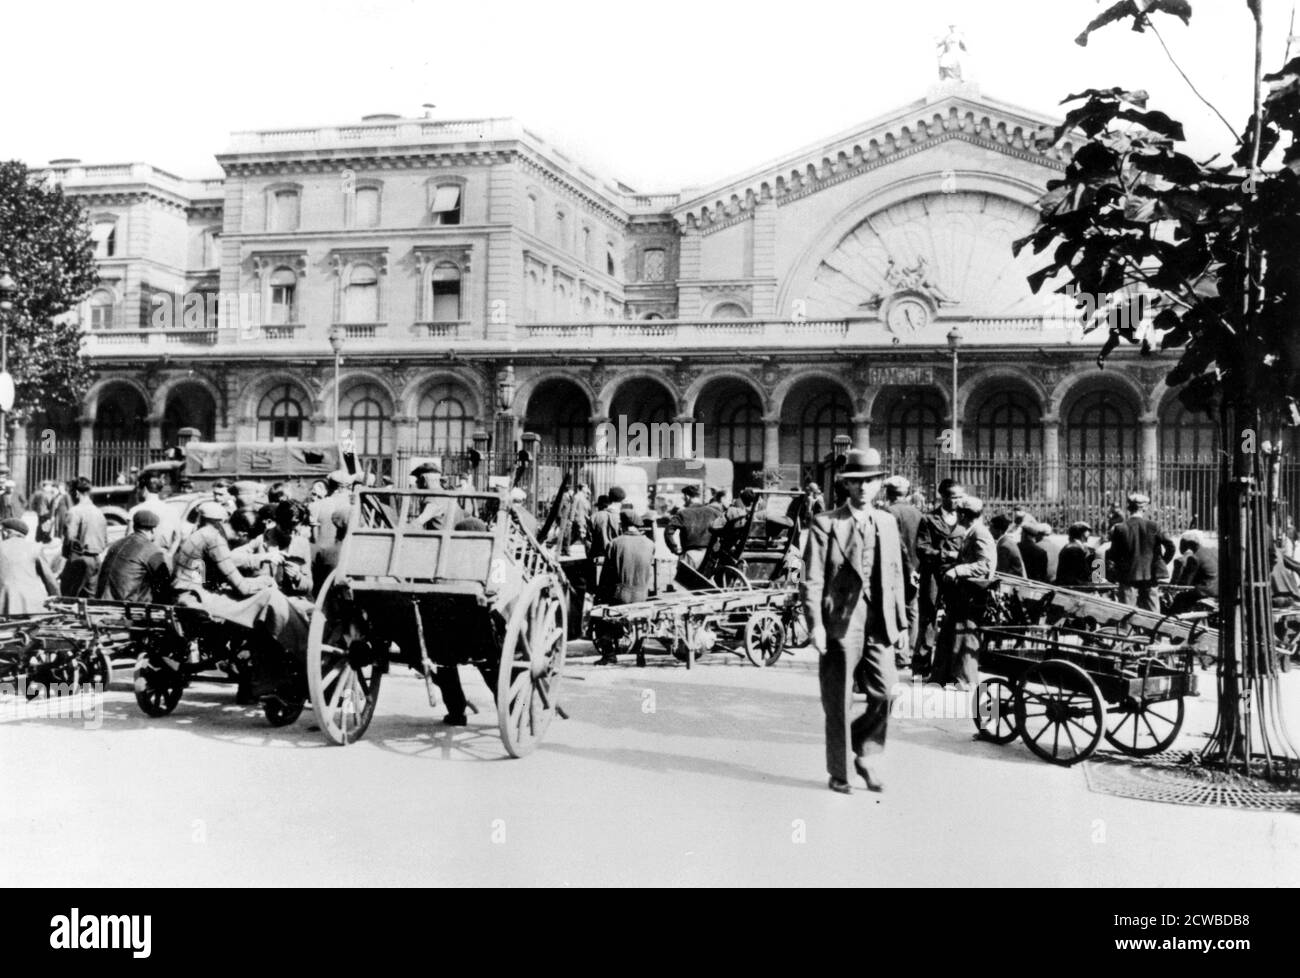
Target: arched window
737	433
824	416
1185	435
444	288
443	425
101	309
366	207
913	422
280	415
563	307
1102	425
573	425
562	229
284	295
588	308
611	268
587	255
121	416
728	310
361	298
361	411
1007	422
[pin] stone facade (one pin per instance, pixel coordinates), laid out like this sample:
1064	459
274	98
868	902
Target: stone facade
814	297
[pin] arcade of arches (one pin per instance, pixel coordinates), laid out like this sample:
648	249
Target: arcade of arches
792	427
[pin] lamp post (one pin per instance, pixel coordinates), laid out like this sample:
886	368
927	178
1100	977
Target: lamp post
8	289
336	344
954	343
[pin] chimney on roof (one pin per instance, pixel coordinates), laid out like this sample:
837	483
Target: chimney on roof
380	117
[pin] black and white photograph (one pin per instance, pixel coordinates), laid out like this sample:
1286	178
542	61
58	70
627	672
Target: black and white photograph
683	445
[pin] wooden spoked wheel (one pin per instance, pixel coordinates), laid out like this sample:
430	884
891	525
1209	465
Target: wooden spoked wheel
733	577
158	685
764	638
344	667
1143	727
1059	712
995	710
532	662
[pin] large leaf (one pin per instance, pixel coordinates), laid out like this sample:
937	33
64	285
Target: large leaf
1138	10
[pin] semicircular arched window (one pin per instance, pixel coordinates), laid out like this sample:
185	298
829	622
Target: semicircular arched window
280	414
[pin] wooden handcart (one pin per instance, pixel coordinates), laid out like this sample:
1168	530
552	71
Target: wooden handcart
412	587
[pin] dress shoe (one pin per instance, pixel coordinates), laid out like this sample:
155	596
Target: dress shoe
839	785
606	660
870	776
455	720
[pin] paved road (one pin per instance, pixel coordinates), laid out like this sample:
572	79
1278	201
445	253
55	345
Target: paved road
661	777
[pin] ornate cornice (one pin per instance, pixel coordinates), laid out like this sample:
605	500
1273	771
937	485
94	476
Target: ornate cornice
907	134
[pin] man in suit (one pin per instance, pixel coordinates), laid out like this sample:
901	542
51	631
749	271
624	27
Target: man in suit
1200	571
1006	536
1074	566
628	570
1139	550
938	541
856	589
956	657
909	519
1032	552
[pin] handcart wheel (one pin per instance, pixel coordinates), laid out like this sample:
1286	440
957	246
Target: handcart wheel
995	703
764	638
158	687
99	671
280	711
532	662
733	577
1059	712
1145	727
344	669
699	640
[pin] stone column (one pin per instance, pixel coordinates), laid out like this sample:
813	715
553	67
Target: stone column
1150	451
771	444
155	432
86	454
1051	456
687	447
862	431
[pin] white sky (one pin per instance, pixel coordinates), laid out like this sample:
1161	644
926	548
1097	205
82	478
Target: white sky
660	95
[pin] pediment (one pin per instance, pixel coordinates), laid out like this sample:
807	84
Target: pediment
957	113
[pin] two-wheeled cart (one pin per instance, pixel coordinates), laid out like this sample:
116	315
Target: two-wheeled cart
436	579
1069	668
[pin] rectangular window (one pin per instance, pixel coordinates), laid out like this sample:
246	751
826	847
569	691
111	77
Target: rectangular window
446	205
446	302
281	304
653	270
104	234
285	213
367	204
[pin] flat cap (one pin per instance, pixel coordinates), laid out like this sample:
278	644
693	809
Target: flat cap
970	504
145	519
424	468
898	484
212	510
1139	498
616	494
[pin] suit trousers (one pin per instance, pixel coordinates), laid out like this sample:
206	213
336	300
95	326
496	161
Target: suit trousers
865	735
1140	594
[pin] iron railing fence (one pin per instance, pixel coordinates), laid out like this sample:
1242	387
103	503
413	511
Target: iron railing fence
1060	491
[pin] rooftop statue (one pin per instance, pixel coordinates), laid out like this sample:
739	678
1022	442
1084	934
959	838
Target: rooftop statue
950	52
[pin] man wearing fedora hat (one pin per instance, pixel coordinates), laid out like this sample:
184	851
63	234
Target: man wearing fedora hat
855	593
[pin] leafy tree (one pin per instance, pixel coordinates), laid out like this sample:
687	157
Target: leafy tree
1198	257
45	243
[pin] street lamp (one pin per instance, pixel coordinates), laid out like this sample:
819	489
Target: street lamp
336	344
954	343
8	289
